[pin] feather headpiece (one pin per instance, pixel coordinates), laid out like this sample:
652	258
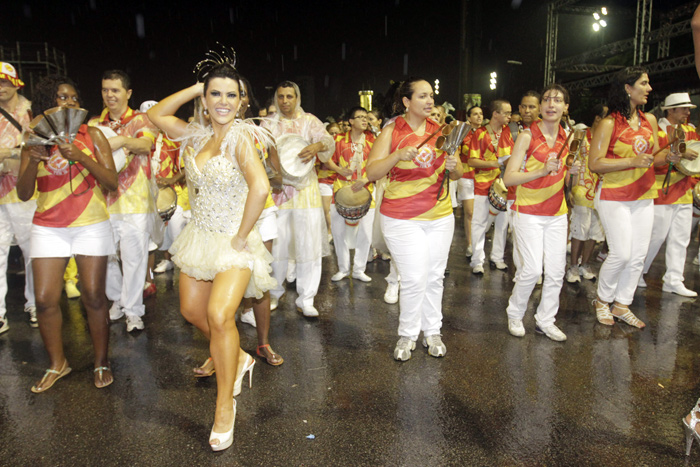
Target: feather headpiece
212	59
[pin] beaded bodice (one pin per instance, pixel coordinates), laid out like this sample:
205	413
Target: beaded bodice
217	194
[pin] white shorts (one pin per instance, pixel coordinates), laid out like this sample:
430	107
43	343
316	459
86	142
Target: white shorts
465	189
267	224
63	242
326	189
585	224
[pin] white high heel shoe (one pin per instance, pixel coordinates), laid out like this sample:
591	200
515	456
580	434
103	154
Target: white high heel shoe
247	368
223	440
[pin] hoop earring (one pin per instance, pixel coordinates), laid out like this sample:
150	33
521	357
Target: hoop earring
205	112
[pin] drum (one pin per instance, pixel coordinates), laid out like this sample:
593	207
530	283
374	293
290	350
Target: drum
696	196
352	205
166	203
498	195
119	155
688	167
294	170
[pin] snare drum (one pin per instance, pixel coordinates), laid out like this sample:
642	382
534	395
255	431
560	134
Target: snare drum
119	155
688	167
498	195
352	205
166	203
294	170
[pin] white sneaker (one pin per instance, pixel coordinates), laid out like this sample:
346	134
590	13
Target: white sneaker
309	311
248	317
679	289
391	295
435	346
361	276
386	256
572	275
470	252
551	331
133	323
33	322
478	269
274	302
4	325
403	349
515	327
696	261
586	273
115	311
338	276
164	265
539	280
500	265
642	284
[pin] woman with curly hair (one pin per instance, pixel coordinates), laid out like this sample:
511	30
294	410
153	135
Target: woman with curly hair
71	219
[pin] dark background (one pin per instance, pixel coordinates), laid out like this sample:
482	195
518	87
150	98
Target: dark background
331	49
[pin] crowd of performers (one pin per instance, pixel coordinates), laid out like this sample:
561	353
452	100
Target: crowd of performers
240	205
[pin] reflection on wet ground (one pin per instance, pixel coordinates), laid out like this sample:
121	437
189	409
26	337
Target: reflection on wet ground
607	396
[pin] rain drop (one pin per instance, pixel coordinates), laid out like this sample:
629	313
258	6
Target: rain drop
140	26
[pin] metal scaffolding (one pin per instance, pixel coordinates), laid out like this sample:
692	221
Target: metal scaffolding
33	61
673	23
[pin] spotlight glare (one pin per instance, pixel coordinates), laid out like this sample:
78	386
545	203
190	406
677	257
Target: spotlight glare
596	16
603	23
596	27
492	86
604	11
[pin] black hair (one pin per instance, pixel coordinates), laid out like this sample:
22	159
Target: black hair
618	99
251	111
45	92
287	84
353	110
225	70
118	74
405	89
469	111
597	110
532	93
377	113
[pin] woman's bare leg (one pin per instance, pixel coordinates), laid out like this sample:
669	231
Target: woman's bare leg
226	294
93	273
48	285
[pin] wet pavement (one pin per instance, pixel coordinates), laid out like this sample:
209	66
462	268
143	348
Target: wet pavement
607	396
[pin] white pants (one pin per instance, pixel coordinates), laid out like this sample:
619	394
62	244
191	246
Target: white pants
481	222
420	250
308	272
174	227
346	237
16	220
517	258
671	224
627	226
125	286
539	239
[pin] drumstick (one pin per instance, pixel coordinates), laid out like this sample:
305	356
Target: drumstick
431	136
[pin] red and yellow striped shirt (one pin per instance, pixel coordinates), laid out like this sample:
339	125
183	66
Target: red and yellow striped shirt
464	155
543	196
413	186
634	183
343	157
69	195
680	189
482	147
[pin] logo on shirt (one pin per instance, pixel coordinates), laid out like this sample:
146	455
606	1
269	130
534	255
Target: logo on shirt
57	164
640	145
425	157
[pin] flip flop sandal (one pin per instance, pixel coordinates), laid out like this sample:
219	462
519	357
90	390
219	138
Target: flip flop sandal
59	374
99	370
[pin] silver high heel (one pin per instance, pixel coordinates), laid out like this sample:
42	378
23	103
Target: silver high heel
247	368
690	432
224	440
